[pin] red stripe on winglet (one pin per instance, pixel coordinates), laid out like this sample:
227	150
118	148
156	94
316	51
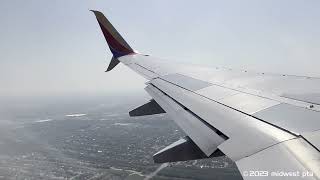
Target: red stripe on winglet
114	43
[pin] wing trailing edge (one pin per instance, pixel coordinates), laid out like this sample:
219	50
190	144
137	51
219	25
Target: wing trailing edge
182	150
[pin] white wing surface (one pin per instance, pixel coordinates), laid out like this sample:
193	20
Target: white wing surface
268	124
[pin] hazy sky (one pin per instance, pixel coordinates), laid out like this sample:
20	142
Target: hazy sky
56	47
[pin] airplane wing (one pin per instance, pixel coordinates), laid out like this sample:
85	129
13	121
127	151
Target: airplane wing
268	124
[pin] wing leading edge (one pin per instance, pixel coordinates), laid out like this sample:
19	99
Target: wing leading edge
247	116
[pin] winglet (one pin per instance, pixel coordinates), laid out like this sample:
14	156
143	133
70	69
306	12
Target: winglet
114	61
118	46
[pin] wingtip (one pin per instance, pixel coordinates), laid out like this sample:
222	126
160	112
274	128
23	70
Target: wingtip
118	46
95	11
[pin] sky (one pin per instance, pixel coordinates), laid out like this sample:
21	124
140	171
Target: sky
56	47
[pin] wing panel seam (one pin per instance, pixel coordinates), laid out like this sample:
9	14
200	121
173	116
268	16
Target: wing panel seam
231	108
195	115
